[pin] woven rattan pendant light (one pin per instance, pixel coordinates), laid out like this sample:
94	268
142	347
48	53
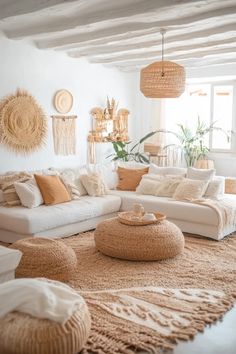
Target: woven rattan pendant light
162	79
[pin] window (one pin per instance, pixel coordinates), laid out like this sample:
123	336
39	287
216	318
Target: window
211	103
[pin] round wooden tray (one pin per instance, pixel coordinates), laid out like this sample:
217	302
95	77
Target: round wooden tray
126	218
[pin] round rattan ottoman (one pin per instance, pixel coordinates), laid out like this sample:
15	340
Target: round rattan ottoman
44	257
139	243
23	334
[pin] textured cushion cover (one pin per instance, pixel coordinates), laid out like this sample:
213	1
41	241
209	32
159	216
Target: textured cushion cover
190	189
13	177
29	193
73	175
108	173
148	186
31	221
9	192
200	174
154	169
1	197
71	188
52	189
94	184
215	188
168	186
129	179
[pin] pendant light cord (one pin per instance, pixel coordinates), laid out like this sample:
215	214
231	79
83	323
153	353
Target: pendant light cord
162	52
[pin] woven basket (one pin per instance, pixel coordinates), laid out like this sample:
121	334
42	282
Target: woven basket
44	257
23	334
126	218
148	243
154	85
230	185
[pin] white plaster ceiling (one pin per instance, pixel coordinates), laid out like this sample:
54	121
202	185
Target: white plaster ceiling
125	33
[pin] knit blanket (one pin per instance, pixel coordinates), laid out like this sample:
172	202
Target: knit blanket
225	209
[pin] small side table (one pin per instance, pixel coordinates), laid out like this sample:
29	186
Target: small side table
230	185
9	260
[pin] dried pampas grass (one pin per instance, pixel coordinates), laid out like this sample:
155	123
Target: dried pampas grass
23	124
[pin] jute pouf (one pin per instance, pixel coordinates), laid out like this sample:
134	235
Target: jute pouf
44	257
23	334
140	243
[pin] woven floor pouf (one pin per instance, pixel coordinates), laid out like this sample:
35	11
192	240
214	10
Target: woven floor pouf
23	334
44	257
140	243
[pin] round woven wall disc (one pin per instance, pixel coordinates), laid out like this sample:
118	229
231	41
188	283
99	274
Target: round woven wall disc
63	101
23	125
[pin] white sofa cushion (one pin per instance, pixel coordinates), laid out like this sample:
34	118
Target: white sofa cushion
94	184
31	221
168	186
108	173
29	193
148	186
216	188
200	174
190	189
174	209
73	175
154	169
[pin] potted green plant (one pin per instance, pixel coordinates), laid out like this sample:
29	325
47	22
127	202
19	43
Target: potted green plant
125	152
191	143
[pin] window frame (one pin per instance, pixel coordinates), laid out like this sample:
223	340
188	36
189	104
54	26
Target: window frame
212	84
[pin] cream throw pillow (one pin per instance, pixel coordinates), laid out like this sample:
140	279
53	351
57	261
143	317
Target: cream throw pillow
190	189
29	193
168	186
148	186
71	188
9	192
200	174
154	169
215	188
94	184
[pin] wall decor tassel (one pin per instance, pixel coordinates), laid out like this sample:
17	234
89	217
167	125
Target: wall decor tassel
64	135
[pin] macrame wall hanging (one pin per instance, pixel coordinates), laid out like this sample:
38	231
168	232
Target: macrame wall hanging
23	125
64	134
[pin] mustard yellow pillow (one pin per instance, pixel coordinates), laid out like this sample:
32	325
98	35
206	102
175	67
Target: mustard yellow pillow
52	189
129	178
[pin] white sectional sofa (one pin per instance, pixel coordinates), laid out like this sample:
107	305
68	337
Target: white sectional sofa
84	214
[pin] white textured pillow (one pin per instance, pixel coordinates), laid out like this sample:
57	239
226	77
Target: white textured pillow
180	171
200	174
29	193
190	189
168	186
71	188
153	177
94	184
107	171
73	175
132	164
215	188
148	186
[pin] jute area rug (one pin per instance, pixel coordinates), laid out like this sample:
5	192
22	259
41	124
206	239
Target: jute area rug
150	306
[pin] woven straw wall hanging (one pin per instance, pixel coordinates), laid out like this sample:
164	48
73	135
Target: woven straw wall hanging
63	101
64	135
23	125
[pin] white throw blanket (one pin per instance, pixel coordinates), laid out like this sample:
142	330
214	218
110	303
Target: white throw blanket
40	298
225	209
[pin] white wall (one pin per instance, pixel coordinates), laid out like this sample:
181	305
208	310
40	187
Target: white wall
42	73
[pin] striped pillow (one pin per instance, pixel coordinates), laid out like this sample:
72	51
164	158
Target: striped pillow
9	192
